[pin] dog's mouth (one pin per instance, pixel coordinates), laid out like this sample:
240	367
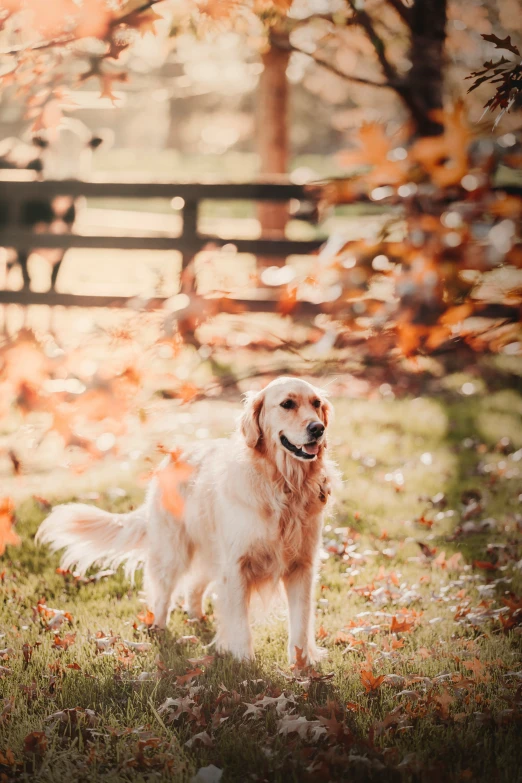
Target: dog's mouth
306	451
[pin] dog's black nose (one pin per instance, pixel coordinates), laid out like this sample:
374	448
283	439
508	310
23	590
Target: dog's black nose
316	429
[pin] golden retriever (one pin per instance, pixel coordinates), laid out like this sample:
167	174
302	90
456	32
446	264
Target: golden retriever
252	518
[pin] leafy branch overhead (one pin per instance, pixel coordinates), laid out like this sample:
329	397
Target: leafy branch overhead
504	75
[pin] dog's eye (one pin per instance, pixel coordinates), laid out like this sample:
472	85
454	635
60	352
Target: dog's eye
288	405
316	403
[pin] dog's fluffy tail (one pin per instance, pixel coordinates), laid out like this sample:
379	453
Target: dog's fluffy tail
91	536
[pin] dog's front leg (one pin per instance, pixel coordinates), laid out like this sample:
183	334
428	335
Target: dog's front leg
234	634
299	586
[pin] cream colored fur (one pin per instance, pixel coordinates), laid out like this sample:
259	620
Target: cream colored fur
252	519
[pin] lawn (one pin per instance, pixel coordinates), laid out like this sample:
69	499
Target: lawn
416	605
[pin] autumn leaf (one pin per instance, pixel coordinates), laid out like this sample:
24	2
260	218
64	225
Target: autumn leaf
475	666
183	679
35	743
171	478
400	626
484	565
142	21
7	518
187	391
106	84
443	701
301	660
287	300
7	759
219	10
205	660
298	724
502	43
445	157
147	617
370	682
376	150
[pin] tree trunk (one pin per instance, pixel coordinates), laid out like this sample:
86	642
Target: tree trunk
272	134
423	91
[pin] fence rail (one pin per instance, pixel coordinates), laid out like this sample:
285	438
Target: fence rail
19	188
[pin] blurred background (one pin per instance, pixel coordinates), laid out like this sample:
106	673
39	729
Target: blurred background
398	125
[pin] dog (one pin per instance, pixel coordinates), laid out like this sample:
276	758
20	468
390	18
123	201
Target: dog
251	519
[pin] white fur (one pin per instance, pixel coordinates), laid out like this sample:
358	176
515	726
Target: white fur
252	517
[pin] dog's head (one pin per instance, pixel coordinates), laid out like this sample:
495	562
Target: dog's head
289	416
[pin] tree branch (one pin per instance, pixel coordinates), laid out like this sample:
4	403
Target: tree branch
62	40
366	22
329	66
403	11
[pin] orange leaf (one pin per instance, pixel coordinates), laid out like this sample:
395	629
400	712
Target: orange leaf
7	534
287	300
474	666
147	618
301	661
183	679
36	743
170	478
369	681
400	626
485	565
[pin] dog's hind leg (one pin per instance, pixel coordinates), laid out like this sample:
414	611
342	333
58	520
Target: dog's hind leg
196	587
168	561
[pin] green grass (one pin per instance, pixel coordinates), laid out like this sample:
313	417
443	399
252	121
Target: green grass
451	711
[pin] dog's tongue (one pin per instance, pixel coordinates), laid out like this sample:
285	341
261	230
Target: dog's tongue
311	448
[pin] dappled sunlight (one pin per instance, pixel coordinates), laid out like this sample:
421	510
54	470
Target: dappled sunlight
199	198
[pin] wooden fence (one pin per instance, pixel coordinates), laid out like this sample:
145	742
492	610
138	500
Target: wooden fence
17	188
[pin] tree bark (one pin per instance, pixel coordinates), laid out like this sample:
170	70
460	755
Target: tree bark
272	134
424	84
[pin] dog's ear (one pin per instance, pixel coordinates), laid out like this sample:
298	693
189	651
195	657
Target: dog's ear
325	411
249	423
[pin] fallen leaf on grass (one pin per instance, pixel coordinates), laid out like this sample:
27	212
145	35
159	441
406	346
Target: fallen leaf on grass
443	701
210	774
6	709
183	679
205	660
138	646
485	565
475	666
7	759
401	625
35	742
370	682
147	618
203	737
65	642
298	724
27	651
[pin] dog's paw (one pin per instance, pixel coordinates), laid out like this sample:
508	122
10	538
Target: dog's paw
238	651
317	654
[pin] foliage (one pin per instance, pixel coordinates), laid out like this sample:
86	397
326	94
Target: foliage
418	607
437	276
504	75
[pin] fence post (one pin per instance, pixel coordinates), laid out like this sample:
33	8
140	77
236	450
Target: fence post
189	215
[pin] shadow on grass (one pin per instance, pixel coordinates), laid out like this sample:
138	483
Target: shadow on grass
481	431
